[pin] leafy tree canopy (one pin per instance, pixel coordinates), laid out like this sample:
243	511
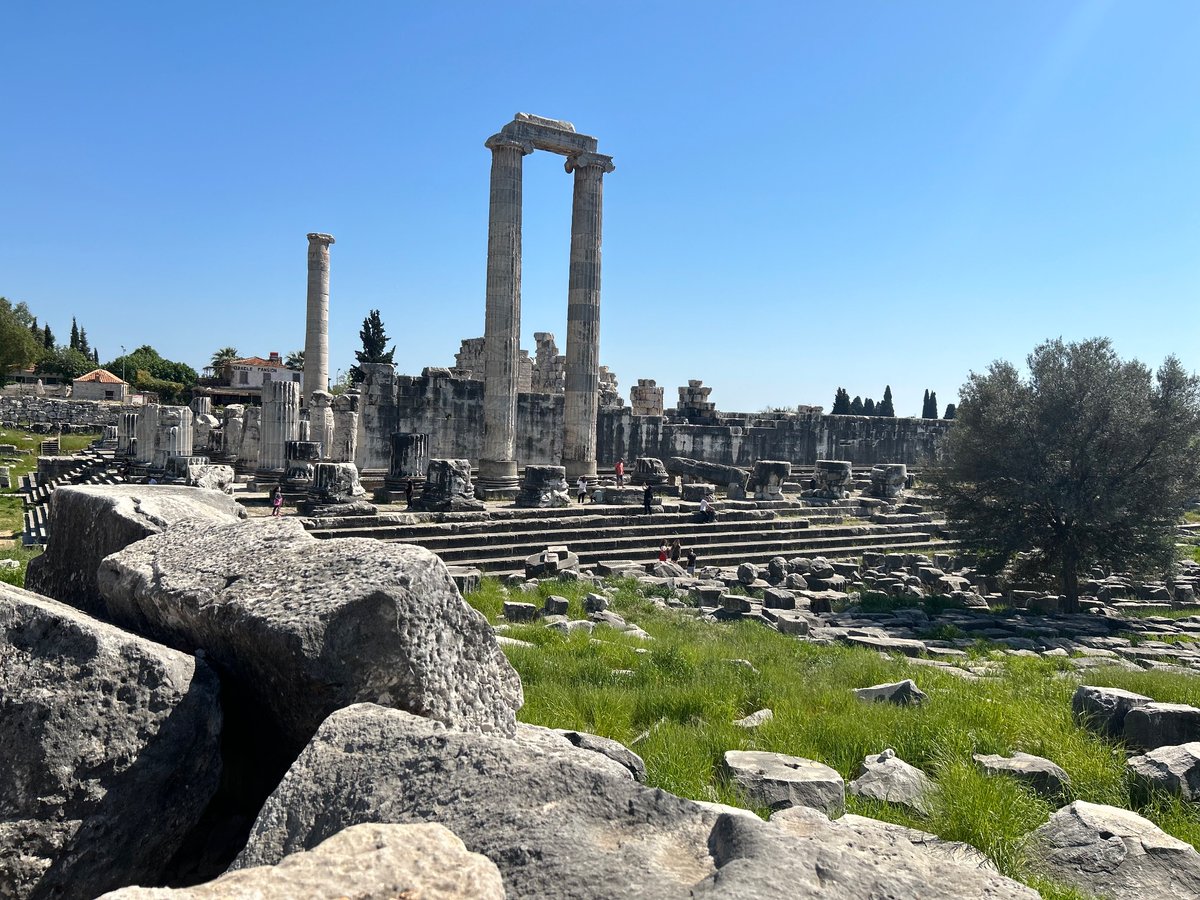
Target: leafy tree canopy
869	408
951	411
1087	462
294	360
841	402
19	349
147	359
65	363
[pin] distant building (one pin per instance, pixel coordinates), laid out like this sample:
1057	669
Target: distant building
99	384
242	380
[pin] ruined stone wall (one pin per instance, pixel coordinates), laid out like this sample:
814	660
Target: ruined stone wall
24	410
449	409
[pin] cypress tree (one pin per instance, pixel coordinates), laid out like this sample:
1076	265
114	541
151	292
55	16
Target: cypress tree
74	335
951	411
885	407
47	337
856	406
841	402
869	408
932	405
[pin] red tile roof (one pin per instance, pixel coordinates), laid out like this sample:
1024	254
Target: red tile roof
101	375
258	361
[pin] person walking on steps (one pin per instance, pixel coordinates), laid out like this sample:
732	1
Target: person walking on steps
648	498
691	558
619	468
581	488
277	502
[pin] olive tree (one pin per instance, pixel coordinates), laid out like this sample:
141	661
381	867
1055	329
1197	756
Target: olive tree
1089	460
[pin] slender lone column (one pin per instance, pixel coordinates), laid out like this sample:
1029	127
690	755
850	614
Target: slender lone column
316	331
582	399
502	325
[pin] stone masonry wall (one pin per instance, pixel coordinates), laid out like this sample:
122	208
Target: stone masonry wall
24	410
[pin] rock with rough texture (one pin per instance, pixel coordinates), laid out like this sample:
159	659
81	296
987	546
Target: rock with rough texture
1162	725
902	693
89	522
1113	852
211	477
797	855
1174	769
556	822
777	781
614	750
1042	775
309	626
1105	708
888	778
366	862
755	719
108	748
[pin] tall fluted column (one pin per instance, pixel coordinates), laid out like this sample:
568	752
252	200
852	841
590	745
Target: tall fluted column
582	399
280	424
316	331
502	325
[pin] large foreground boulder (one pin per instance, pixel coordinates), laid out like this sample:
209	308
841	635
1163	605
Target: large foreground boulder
1115	853
89	522
307	626
366	862
564	822
108	749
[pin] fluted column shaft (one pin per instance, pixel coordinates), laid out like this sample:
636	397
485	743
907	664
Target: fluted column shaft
280	424
502	324
316	331
582	398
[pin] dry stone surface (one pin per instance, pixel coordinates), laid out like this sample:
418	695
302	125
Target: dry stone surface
1105	708
108	748
1175	769
309	626
1043	776
777	781
1162	724
87	523
886	777
1115	853
364	862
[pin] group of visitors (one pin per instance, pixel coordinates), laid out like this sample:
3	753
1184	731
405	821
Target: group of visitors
674	552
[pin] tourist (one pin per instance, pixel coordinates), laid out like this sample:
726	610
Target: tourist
648	498
581	488
276	502
620	470
408	490
691	558
707	513
676	550
662	551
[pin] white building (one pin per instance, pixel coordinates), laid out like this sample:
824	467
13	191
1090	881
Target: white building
99	384
254	372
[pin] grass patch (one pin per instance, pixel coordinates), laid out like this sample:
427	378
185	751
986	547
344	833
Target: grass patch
11	520
674	699
22	555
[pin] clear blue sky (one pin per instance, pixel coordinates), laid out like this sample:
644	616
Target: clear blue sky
807	194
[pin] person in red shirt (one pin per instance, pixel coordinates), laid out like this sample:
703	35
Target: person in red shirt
620	469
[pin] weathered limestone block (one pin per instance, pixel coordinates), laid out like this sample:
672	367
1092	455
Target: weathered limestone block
646	398
1113	852
366	862
832	479
697	491
211	477
88	522
301	456
888	480
886	777
730	477
251	443
550	562
769	476
232	421
648	470
1175	769
1105	708
345	428
559	821
335	483
447	488
109	749
776	781
307	626
1162	724
902	693
320	420
544	486
409	459
1043	776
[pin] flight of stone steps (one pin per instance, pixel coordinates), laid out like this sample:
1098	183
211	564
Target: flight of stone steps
500	540
94	466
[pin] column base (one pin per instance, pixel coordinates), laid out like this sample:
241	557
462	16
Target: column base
497	480
575	468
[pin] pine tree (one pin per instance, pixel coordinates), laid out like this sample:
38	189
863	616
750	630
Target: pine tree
925	405
96	356
83	343
885	407
841	402
34	329
951	411
74	345
856	406
374	340
932	405
869	408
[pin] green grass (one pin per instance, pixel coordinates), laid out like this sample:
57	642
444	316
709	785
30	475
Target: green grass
677	704
21	555
11	520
